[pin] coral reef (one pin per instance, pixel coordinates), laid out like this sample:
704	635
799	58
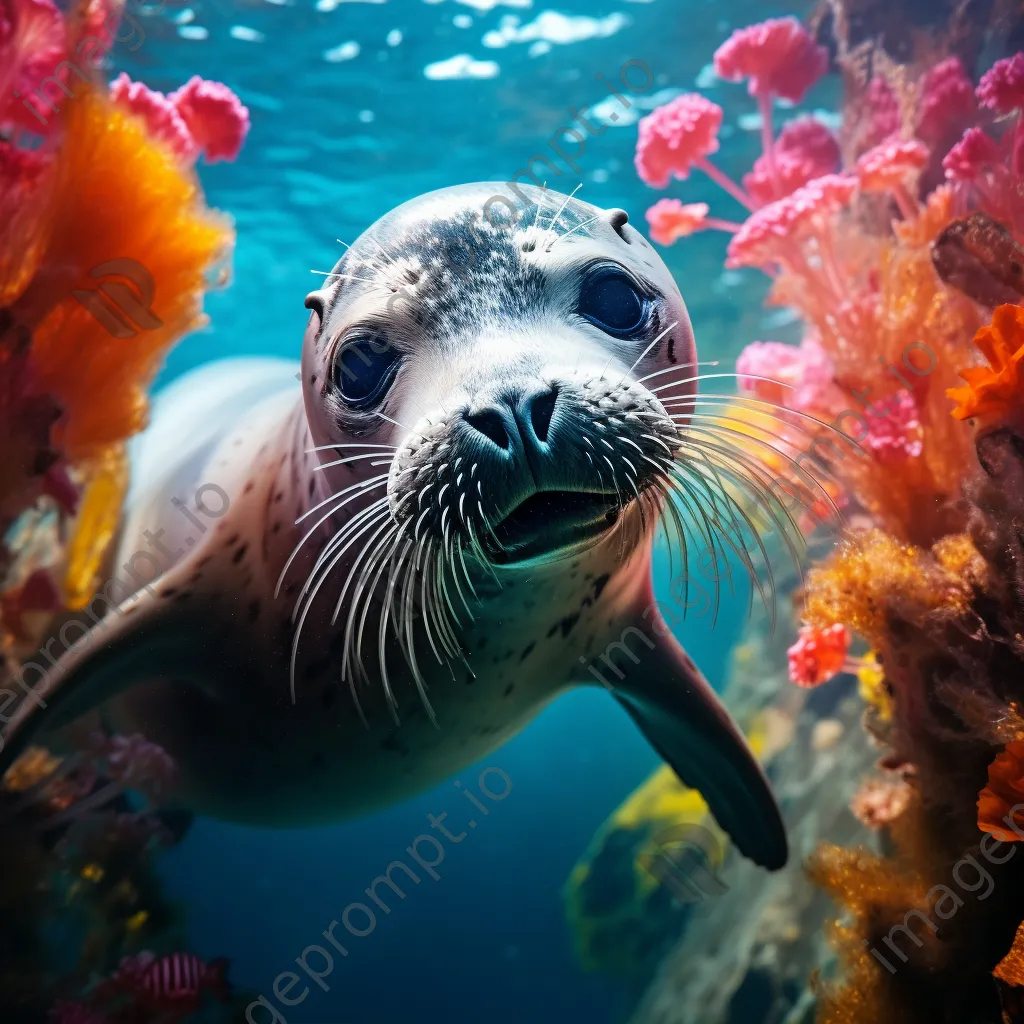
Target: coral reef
106	250
900	249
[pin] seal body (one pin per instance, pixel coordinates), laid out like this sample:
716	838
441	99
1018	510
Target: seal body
348	588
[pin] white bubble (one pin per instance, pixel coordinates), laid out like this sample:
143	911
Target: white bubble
462	65
247	35
394	37
345	51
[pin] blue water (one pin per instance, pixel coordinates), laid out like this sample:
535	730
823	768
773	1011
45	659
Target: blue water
335	144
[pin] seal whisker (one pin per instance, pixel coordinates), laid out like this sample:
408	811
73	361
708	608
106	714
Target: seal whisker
361	486
714	425
381	559
674	368
640	358
348	459
554	220
332	447
740	546
302	620
341	536
779	412
578	227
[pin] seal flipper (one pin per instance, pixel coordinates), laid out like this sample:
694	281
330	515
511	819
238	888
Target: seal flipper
131	644
683	719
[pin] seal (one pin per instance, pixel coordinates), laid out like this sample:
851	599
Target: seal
365	587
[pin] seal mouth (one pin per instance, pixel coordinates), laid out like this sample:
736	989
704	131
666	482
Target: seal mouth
550	522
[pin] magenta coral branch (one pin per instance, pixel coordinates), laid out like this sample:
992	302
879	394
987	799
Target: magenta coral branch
724	181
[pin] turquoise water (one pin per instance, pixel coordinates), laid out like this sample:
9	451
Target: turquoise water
347	122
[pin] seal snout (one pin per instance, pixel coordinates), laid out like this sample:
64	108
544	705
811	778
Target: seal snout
534	468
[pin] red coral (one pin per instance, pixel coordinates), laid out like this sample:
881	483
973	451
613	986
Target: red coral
778	56
215	116
1002	87
947	99
818	654
675	136
32	45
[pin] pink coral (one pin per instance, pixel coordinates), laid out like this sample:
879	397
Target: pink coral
946	99
200	117
798	377
161	116
895	432
879	802
767	232
804	150
778	56
32	45
1002	87
890	164
675	136
671	220
967	160
215	116
818	654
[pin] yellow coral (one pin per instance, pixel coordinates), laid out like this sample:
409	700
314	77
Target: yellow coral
97	521
873	691
860	583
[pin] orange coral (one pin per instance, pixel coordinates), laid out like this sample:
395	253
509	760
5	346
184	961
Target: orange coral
1004	792
994	392
1011	968
123	198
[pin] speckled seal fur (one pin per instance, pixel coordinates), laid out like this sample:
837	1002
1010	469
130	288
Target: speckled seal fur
344	633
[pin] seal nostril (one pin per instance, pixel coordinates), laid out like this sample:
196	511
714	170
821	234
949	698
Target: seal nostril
541	410
491	424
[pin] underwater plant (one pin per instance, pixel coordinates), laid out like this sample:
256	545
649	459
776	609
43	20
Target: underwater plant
899	241
106	249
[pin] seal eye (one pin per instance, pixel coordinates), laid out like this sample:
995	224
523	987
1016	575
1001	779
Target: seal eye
364	369
611	301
